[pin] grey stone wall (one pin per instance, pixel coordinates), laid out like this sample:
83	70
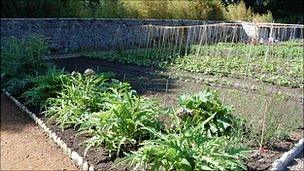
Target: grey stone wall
71	35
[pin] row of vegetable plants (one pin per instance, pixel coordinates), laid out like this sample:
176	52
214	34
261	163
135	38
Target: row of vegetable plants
278	64
202	135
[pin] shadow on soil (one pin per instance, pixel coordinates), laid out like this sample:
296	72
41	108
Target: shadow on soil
12	119
142	79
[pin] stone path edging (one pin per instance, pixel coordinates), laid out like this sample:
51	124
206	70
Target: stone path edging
77	159
287	157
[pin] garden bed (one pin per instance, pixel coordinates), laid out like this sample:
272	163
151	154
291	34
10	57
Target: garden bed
163	119
149	84
98	157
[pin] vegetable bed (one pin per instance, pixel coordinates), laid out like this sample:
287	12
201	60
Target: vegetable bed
167	123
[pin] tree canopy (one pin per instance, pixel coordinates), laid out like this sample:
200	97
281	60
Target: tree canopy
290	11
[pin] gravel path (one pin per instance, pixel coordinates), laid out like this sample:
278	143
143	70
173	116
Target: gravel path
24	146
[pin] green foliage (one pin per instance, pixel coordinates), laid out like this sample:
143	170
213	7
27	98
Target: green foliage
188	150
205	105
184	9
44	87
144	57
196	142
16	86
21	58
81	95
239	12
277	65
105	109
121	125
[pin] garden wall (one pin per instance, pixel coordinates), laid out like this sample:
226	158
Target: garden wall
66	35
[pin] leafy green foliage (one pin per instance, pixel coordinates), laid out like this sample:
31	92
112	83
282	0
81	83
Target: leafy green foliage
17	86
45	86
279	64
182	9
21	58
121	125
81	95
203	139
105	109
203	105
144	57
188	150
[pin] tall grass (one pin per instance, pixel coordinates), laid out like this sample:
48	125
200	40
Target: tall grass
182	9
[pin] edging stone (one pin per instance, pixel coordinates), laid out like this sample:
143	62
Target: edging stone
77	159
287	157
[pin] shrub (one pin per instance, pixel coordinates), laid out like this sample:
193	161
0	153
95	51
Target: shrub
239	12
263	18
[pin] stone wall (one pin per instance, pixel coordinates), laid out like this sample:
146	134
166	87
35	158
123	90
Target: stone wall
72	35
68	35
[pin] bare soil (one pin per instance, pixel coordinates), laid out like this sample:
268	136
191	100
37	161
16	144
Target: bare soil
24	146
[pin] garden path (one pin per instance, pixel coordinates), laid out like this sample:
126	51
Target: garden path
24	146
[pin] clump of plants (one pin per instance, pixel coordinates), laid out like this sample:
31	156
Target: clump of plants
188	150
21	58
105	109
121	127
206	105
202	139
81	95
44	87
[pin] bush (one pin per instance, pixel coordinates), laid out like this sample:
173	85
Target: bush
21	58
239	12
263	18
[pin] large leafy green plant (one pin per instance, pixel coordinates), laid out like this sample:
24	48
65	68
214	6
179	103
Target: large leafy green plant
121	126
187	150
206	104
21	58
82	95
45	86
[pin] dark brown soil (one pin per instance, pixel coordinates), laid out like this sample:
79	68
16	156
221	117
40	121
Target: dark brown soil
262	159
99	157
159	77
166	90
